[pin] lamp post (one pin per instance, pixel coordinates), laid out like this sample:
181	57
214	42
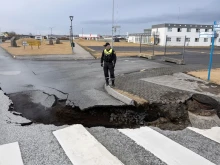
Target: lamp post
113	12
71	33
51	31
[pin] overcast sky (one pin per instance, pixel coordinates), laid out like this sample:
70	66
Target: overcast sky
95	16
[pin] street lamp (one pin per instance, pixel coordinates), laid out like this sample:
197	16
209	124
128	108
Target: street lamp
71	32
113	12
51	31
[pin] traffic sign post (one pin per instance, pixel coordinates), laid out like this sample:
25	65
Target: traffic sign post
216	27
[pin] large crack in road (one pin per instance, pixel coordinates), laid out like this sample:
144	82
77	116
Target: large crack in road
40	107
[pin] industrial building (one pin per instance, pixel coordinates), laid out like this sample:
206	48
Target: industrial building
175	35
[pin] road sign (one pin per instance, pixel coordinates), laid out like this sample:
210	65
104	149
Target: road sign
24	43
217	27
206	34
34	43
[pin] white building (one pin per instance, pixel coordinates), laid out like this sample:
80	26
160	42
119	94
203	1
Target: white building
89	36
178	34
144	38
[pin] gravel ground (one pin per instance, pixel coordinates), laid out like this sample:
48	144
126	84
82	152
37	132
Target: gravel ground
37	143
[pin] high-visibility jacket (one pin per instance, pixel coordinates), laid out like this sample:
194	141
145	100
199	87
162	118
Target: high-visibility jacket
109	56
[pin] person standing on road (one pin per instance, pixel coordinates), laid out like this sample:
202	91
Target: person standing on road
109	58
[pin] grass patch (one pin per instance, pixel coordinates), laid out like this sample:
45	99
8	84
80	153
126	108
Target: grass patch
44	49
203	74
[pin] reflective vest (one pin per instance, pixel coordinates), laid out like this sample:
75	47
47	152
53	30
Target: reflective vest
108	55
108	52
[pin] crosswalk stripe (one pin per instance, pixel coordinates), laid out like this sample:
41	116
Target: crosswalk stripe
82	148
164	148
213	133
10	154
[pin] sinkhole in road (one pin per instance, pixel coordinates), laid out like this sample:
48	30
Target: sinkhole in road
167	116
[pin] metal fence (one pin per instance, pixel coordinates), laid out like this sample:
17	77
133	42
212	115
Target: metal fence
175	45
151	41
171	45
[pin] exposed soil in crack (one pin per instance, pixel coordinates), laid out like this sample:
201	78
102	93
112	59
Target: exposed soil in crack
167	116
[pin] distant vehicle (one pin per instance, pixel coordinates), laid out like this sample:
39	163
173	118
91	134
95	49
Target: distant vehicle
116	39
38	37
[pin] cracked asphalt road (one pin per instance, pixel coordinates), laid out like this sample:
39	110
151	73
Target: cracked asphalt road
81	81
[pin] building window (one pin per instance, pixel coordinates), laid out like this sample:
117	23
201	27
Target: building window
178	39
169	29
168	39
188	29
206	39
197	30
196	39
206	30
219	40
187	39
179	30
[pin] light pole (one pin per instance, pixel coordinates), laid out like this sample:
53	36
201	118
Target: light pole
82	32
51	31
113	10
71	32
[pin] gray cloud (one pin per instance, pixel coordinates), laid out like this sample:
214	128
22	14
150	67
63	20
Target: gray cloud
206	15
36	16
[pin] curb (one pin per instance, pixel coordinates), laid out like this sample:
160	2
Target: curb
174	60
47	58
119	96
148	56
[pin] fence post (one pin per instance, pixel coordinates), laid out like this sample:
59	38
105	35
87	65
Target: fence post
165	51
153	44
184	48
140	42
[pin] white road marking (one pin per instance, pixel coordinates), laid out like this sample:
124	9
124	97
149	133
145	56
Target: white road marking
82	148
10	73
213	133
164	148
10	154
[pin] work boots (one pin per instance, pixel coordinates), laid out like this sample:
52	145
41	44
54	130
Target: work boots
113	83
107	82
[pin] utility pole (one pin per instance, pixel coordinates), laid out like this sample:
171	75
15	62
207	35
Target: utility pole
51	31
82	32
113	10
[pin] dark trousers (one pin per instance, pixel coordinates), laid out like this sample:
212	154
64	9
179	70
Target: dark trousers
109	67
